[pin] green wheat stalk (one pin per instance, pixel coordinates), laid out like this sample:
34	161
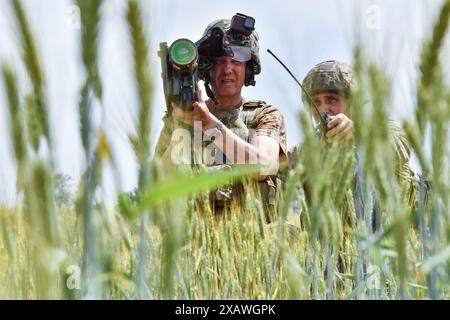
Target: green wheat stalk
17	124
430	66
92	89
141	143
35	71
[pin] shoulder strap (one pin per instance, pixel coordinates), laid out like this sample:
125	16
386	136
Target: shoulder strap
250	111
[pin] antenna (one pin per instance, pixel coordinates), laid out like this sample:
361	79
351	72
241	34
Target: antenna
324	119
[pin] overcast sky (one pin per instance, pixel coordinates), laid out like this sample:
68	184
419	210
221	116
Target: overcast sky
302	33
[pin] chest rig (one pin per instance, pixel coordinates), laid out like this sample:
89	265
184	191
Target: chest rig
242	122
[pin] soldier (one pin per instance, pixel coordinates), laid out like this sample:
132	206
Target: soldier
242	129
329	84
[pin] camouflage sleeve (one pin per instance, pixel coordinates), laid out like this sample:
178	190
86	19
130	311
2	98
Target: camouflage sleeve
270	122
165	136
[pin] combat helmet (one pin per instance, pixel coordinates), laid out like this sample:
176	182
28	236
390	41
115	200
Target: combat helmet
329	76
219	39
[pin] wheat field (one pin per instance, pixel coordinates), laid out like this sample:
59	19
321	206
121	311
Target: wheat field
161	243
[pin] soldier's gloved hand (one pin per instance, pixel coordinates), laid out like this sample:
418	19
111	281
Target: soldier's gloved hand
341	129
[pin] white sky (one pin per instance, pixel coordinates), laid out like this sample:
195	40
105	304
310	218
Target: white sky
302	33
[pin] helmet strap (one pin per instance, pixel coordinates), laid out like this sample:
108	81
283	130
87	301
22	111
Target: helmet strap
250	74
209	91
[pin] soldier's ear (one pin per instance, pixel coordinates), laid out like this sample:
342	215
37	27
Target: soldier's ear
210	73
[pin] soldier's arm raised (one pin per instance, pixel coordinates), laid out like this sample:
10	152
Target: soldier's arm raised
264	150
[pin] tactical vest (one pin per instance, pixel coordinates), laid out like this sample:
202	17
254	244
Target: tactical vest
239	121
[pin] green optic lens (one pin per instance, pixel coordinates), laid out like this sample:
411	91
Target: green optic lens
183	52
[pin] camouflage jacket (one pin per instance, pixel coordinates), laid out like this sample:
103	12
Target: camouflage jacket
404	174
252	118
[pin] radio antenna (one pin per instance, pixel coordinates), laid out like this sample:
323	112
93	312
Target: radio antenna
323	119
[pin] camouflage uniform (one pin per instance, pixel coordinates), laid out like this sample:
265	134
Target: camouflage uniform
334	76
252	118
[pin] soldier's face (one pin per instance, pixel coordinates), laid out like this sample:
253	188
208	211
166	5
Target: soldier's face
228	77
329	102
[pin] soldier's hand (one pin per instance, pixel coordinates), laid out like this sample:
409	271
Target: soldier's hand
341	129
199	113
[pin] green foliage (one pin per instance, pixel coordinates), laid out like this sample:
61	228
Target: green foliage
36	102
17	124
162	240
141	143
430	67
90	19
183	185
